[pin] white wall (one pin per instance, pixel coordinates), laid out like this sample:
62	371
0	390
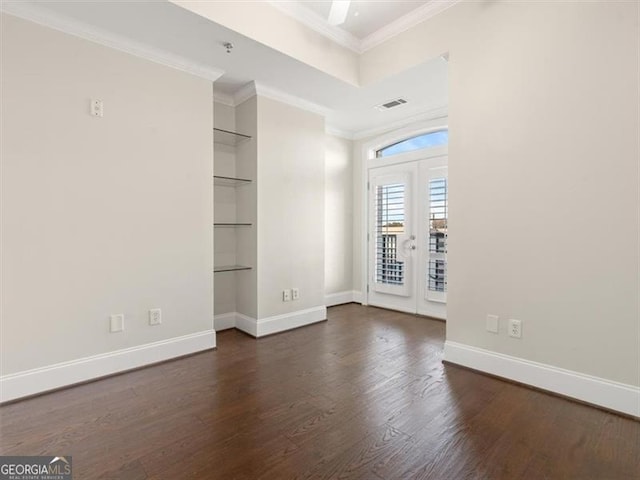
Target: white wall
290	184
225	117
338	235
100	215
247	209
543	171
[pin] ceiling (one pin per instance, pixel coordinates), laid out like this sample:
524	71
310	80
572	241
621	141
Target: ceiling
163	30
366	16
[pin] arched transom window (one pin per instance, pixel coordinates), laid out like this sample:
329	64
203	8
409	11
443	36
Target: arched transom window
425	140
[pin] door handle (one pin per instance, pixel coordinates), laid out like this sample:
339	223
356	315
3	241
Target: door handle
410	241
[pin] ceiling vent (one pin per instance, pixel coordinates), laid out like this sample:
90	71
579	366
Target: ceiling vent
391	104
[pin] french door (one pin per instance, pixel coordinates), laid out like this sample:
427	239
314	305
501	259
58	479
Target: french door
407	236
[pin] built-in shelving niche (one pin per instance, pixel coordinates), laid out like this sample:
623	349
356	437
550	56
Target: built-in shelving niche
231	139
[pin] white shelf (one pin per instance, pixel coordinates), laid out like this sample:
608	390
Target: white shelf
227	137
230	181
230	268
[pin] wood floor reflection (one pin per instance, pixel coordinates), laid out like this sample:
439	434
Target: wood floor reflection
364	395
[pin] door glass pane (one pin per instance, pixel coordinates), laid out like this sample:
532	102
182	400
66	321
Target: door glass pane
390	222
438	216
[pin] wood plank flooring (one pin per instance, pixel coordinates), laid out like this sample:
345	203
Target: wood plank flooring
362	396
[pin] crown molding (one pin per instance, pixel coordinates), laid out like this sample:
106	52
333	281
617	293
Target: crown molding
404	23
244	93
223	98
431	114
318	23
338	132
43	16
283	97
252	89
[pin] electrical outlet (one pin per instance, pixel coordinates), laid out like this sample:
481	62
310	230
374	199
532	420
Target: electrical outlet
97	108
295	293
116	323
515	328
155	316
286	295
492	323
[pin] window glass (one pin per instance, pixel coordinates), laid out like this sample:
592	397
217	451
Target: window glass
426	140
390	209
438	218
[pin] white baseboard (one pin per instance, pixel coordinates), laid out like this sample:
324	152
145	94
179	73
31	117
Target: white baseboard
247	324
287	321
224	321
40	380
395	308
339	298
280	323
357	297
597	391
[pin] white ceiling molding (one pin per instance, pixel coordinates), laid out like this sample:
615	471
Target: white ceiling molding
223	98
319	24
244	94
431	114
280	96
404	23
252	89
337	132
43	16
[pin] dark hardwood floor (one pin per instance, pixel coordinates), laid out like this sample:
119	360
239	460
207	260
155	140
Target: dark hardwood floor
364	395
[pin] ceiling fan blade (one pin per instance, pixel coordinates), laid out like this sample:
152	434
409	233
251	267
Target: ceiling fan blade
338	12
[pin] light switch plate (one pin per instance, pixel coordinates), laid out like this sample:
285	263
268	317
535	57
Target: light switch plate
492	323
116	323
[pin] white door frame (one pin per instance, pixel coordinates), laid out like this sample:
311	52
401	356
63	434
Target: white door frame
369	160
397	297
